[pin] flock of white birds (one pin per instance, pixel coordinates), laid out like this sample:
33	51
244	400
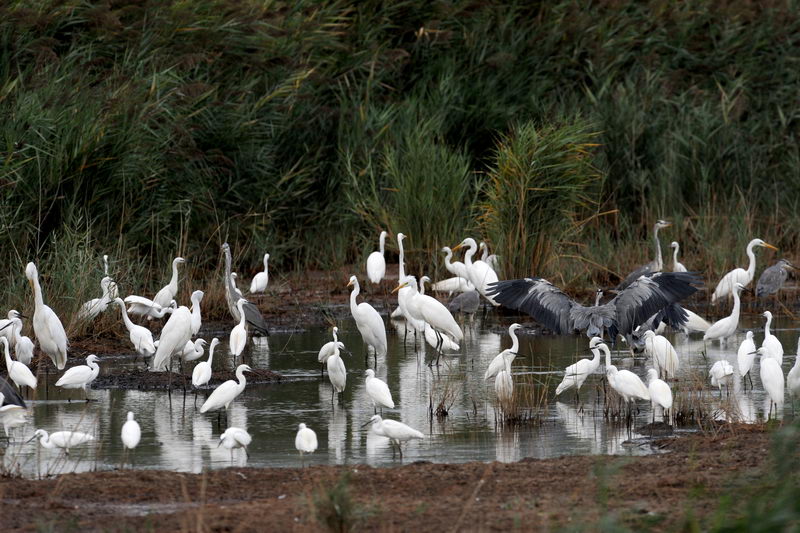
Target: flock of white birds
474	279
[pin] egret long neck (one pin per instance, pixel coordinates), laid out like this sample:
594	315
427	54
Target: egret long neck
45	441
659	260
447	257
37	294
751	265
607	352
173	283
17	330
766	327
382	243
675	256
125	318
469	253
211	354
736	305
266	261
514	341
401	269
353	295
241	378
9	362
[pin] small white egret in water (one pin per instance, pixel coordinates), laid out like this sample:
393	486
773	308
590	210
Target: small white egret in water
665	358
139	305
202	370
170	290
176	332
772	379
235	438
660	393
396	431
745	356
305	441
576	373
480	274
61	439
23	346
192	351
376	263
504	385
20	374
726	285
224	395
261	280
771	344
47	327
11	415
726	327
498	363
337	373
378	391
627	384
238	338
81	376
141	337
328	348
721	373
131	432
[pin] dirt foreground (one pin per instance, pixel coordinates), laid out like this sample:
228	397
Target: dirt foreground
654	493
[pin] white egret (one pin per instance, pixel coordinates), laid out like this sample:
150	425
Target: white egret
771	344
337	373
5	326
504	385
170	290
238	338
576	373
11	415
676	266
201	374
745	356
376	264
660	393
793	379
139	305
131	432
665	358
192	351
80	376
726	327
61	439
305	441
197	319
235	288
378	391
480	274
141	337
368	321
721	373
261	280
23	346
176	332
772	379
656	265
430	335
224	395
20	374
498	363
461	283
454	284
694	322
47	327
739	275
235	438
396	431
95	306
627	384
328	348
405	293
431	311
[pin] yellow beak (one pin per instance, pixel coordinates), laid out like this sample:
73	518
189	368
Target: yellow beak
458	246
350	283
399	287
767	245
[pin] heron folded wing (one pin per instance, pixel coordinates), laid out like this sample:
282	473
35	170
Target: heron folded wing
649	295
539	298
254	319
771	280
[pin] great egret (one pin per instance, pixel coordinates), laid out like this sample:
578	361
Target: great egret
337	373
656	265
224	395
238	338
745	356
141	337
498	363
665	358
255	321
405	293
771	280
131	432
660	393
739	275
23	346
11	415
47	327
378	391
305	441
771	343
376	264
454	284
431	337
630	308
61	439
176	332
721	373
772	379
20	374
261	280
139	305
459	283
431	311
170	290
396	431
479	273
576	373
197	319
80	376
725	327
201	374
235	438
504	385
676	265
368	321
793	379
95	306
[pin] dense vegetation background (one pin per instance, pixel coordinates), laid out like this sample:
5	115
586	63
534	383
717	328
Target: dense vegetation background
557	131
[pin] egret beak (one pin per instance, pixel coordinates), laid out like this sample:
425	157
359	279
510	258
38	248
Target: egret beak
458	246
350	283
219	443
31	439
24	316
368	423
405	284
767	245
753	353
4	327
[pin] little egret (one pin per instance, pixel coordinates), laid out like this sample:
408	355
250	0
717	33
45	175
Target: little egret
81	376
170	290
261	280
235	438
376	264
744	277
141	337
176	332
139	305
226	392
460	270
255	322
660	393
131	432
771	280
627	384
23	346
6	330
61	439
793	379
238	337
772	379
337	373
202	370
656	265
192	351
20	374
11	415
46	326
665	358
305	441
378	391
498	363
726	327
197	319
676	266
721	373
95	306
328	348
480	274
504	385
745	356
369	322
771	344
396	431
576	373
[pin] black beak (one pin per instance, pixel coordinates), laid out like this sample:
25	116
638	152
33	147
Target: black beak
368	423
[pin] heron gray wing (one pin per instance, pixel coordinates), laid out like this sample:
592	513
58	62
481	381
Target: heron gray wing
643	270
594	319
255	321
466	302
771	280
650	294
10	394
539	298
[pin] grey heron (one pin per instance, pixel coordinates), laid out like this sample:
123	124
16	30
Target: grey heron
656	265
255	321
466	302
739	275
631	307
772	279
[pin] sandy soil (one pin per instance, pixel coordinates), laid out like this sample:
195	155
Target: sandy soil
653	492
